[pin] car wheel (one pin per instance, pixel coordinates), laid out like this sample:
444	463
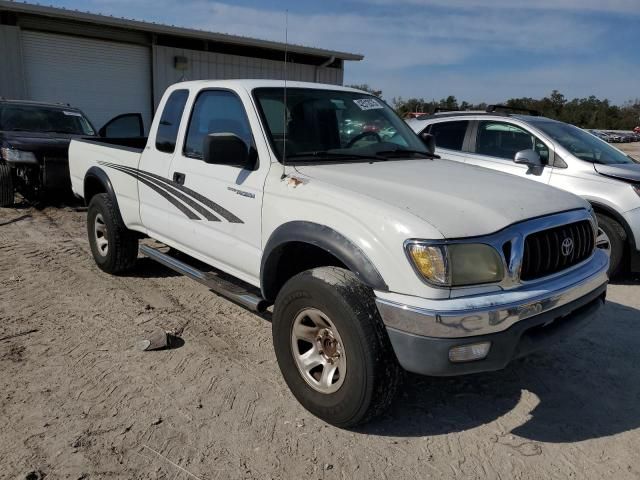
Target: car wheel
332	348
114	247
7	191
611	238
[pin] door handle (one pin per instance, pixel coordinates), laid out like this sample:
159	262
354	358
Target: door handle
179	178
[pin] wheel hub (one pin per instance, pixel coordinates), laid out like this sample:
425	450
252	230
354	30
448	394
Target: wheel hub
100	235
318	351
328	346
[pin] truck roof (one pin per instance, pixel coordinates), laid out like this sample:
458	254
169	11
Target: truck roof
250	84
65	106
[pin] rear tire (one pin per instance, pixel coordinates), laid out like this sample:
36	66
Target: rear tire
336	312
114	247
7	191
616	237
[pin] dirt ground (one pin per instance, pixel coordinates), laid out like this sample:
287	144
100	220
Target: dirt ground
79	401
632	149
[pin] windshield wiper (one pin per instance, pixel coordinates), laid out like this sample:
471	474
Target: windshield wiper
70	132
401	152
336	155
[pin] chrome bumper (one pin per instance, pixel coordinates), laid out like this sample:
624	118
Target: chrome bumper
496	311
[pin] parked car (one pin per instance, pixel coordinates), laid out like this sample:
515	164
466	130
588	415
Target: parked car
34	140
601	135
614	137
376	254
627	137
555	153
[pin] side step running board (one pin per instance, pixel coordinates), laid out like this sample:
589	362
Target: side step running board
216	283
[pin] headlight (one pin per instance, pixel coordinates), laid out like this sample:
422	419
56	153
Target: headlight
457	264
11	155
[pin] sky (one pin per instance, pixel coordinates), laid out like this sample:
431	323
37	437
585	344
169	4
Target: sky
477	50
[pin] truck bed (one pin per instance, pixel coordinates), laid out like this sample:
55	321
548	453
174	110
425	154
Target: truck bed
136	143
116	158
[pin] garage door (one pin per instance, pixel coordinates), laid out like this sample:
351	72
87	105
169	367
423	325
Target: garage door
104	79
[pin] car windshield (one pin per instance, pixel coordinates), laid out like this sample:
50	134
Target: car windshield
583	144
334	125
36	118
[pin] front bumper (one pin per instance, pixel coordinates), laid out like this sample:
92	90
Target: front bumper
515	322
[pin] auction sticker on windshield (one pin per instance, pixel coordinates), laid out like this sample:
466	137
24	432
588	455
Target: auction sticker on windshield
367	103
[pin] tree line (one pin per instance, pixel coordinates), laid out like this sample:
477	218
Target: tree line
588	112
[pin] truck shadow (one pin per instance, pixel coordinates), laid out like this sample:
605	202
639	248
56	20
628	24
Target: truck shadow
147	268
586	387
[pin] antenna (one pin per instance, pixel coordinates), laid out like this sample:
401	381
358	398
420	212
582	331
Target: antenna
284	110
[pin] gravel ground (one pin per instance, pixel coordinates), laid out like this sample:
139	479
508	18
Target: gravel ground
78	400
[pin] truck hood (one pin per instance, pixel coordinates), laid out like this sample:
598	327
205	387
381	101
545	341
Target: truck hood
38	143
623	171
458	200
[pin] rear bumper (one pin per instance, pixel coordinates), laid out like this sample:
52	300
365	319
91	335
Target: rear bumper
515	322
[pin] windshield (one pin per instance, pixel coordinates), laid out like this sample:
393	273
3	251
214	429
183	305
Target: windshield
334	125
582	144
35	118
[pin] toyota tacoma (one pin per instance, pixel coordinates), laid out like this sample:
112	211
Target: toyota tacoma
377	256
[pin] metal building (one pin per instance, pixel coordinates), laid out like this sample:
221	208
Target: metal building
107	65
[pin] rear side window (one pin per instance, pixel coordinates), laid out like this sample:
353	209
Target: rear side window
170	121
216	111
449	134
504	140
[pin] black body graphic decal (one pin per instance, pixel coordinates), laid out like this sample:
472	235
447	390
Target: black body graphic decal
183	198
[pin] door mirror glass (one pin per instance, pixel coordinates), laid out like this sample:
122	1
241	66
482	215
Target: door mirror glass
229	149
126	125
430	142
528	157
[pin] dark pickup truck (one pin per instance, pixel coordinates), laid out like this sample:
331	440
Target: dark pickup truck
34	145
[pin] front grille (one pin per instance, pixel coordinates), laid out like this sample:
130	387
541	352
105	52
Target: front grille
549	251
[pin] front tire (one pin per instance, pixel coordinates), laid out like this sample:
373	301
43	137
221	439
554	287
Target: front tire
7	190
114	247
611	238
332	348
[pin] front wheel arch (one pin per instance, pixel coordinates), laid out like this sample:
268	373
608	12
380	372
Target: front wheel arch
333	248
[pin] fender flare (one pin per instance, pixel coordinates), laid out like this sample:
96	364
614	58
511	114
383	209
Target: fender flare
325	238
99	175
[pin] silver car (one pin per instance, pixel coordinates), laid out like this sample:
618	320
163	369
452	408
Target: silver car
555	153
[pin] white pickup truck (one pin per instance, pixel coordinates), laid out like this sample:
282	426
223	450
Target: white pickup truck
376	255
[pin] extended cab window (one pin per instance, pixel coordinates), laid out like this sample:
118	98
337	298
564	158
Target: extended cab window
170	121
504	140
216	111
449	134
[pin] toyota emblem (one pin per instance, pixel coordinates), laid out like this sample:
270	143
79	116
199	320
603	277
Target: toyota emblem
567	246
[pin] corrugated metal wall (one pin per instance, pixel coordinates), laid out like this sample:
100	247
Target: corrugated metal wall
212	66
11	77
102	78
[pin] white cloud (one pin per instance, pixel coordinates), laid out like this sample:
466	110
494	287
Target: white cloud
399	47
619	6
615	79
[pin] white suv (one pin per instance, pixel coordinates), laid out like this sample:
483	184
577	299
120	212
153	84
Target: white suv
555	153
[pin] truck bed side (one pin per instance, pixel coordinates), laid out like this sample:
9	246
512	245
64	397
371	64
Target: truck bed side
119	160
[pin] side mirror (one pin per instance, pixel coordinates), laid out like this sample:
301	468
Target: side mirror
430	142
126	125
528	157
229	149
